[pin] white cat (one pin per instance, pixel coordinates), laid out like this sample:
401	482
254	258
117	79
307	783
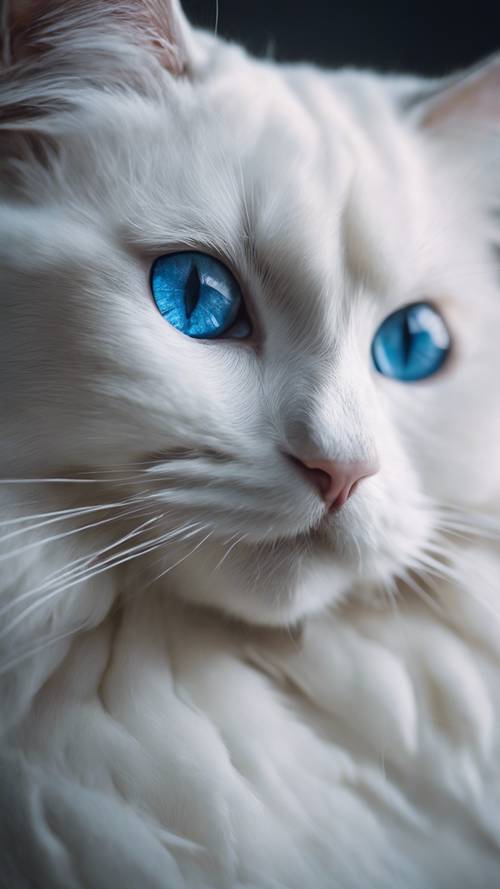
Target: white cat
234	294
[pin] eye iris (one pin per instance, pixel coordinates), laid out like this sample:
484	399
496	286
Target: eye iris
197	295
412	343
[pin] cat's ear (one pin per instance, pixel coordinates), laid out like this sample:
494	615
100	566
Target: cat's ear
166	27
461	102
19	26
161	22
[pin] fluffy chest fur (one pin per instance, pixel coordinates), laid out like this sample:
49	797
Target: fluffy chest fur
170	750
207	677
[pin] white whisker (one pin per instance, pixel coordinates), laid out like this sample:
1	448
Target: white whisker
179	561
60	516
420	590
229	550
62	481
46	540
108	564
34	592
435	568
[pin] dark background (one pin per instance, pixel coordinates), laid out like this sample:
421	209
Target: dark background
417	36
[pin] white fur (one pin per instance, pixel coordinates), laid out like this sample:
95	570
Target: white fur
332	719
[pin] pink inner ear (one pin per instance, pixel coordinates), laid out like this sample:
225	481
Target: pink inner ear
475	98
171	55
162	23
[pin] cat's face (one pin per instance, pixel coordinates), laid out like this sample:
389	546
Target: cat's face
333	209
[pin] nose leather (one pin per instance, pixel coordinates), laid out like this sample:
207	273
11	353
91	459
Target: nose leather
336	480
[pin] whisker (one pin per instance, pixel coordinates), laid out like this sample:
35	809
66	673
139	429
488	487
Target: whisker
229	551
135	553
61	481
116	467
420	590
34	592
479	599
490	530
62	535
164	538
179	561
106	565
198	527
58	514
459	517
436	568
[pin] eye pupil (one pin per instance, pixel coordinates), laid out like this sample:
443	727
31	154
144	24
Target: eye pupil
412	343
407	339
192	291
199	296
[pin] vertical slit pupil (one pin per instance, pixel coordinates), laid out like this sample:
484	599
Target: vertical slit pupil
192	291
407	339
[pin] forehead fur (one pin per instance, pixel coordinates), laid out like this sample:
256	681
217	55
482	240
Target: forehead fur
318	174
314	183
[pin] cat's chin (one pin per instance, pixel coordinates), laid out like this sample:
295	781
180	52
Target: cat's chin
280	582
266	585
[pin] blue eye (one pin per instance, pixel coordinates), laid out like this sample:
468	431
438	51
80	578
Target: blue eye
411	344
199	296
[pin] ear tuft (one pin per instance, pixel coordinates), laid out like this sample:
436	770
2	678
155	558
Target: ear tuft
161	23
467	99
169	32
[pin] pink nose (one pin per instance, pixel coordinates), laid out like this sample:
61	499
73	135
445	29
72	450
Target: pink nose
335	480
